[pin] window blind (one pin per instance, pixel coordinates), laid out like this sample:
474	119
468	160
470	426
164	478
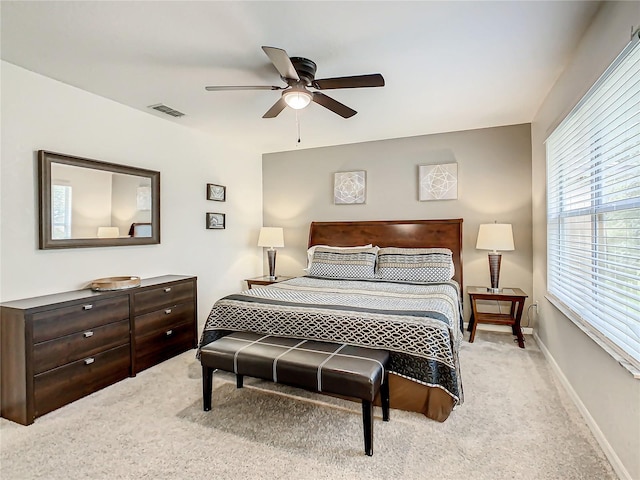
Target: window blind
593	208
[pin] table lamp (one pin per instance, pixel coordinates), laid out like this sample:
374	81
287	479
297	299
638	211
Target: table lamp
494	237
271	237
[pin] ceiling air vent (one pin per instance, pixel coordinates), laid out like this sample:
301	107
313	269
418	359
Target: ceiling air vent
168	110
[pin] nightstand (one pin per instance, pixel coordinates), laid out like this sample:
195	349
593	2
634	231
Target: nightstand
515	296
266	280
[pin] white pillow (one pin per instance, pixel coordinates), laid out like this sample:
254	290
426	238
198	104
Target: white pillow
312	249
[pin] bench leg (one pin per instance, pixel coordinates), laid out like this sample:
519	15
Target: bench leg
239	379
367	423
207	387
384	396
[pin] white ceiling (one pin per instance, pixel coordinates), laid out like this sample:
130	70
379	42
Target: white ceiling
448	66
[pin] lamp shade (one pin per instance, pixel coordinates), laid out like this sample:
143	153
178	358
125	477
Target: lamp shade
271	237
108	232
495	236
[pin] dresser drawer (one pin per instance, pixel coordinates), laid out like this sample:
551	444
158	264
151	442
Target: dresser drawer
155	298
80	317
160	346
63	385
63	350
163	319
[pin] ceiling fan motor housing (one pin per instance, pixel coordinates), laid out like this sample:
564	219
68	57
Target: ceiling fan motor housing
306	70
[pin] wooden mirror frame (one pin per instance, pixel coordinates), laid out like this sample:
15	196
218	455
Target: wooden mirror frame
46	158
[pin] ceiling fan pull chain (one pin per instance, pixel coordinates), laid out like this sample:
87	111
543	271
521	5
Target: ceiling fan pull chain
298	127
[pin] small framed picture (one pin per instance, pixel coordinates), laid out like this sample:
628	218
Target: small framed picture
215	221
216	192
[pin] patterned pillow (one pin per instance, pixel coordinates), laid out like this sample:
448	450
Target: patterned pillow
422	265
312	249
343	263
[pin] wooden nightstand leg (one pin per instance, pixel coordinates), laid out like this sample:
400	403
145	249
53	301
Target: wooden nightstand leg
513	314
516	325
473	333
520	337
473	320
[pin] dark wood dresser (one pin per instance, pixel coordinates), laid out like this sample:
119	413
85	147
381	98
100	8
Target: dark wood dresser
61	347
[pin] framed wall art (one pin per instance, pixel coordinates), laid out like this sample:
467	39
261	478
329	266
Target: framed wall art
438	182
143	198
216	192
215	221
349	188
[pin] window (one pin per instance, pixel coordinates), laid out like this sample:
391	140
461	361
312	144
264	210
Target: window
593	210
61	211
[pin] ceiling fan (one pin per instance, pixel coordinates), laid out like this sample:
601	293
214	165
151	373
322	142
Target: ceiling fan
299	75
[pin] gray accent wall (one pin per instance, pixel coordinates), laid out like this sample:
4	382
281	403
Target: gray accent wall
494	183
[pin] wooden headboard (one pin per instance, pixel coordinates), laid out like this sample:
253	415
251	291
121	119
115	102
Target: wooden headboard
394	233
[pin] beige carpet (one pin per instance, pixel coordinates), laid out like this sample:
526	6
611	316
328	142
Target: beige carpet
516	423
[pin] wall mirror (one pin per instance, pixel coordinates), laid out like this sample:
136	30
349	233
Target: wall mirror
88	203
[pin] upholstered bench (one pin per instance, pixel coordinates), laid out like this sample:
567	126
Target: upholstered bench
317	366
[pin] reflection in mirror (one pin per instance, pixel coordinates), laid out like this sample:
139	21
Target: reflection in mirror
90	203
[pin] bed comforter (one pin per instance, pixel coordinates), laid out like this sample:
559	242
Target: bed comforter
419	324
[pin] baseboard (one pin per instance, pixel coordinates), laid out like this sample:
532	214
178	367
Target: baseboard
611	455
488	327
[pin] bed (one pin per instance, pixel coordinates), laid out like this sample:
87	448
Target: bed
419	322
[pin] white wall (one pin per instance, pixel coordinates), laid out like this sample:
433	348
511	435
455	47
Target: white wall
607	393
494	176
41	113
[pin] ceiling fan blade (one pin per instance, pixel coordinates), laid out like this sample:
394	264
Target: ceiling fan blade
282	62
242	87
333	105
275	110
357	81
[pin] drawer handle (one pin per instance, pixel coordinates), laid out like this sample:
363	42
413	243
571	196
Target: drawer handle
167	290
169	333
88	334
87	307
89	361
167	311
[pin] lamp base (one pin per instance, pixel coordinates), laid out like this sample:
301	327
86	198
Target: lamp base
271	253
494	270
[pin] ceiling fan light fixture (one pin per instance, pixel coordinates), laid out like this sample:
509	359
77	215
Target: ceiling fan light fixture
297	98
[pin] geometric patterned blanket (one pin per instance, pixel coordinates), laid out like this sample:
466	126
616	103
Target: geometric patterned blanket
420	325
